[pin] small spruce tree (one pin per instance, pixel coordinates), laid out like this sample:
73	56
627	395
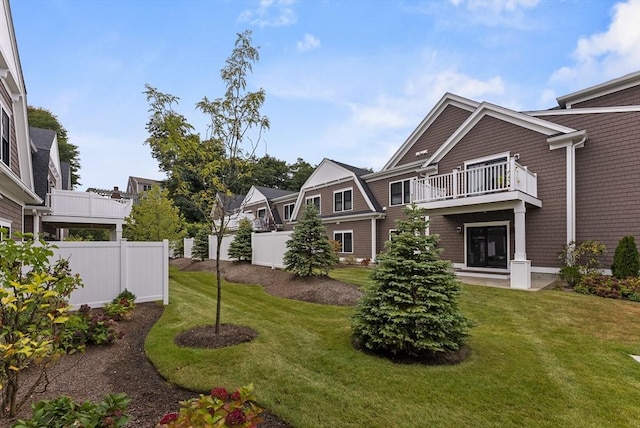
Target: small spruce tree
410	310
309	251
200	248
626	260
240	247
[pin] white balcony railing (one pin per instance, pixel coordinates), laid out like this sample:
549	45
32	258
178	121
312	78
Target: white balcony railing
67	203
498	177
258	224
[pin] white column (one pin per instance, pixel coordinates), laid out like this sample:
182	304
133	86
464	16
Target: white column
374	235
520	266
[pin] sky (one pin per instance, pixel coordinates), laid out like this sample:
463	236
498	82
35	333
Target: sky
347	80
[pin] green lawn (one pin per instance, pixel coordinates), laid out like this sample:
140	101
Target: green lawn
548	359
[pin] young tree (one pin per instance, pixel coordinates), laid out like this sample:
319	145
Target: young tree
42	118
213	168
411	310
240	247
32	314
154	218
626	261
200	248
309	250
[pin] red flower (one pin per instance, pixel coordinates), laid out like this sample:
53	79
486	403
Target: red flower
236	417
220	393
168	418
236	396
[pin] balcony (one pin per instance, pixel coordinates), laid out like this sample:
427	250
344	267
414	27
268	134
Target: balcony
258	224
493	183
85	205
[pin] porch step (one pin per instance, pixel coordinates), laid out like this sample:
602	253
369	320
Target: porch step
482	274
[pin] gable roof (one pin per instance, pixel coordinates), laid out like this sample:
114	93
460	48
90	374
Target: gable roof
271	193
547	128
609	87
447	99
42	138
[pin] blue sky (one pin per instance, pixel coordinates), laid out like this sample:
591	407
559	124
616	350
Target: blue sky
346	79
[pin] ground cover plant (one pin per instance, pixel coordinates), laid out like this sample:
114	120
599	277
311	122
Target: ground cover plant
548	358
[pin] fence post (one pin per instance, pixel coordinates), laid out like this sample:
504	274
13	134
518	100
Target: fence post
273	253
124	267
165	271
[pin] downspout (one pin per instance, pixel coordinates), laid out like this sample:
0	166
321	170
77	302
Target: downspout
571	188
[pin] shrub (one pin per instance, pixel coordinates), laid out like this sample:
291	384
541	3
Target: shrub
610	287
581	259
218	409
33	295
64	412
200	248
120	308
351	260
626	260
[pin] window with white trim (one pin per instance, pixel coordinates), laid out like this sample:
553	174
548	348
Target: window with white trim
400	192
262	213
343	200
5	147
5	229
345	238
315	200
288	211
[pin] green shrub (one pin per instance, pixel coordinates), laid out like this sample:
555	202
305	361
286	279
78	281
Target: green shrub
626	260
581	259
240	247
120	308
218	409
200	248
63	412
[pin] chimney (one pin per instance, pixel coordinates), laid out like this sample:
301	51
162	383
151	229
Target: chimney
116	193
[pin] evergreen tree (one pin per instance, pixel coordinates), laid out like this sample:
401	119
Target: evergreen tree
200	248
626	261
309	251
240	247
411	310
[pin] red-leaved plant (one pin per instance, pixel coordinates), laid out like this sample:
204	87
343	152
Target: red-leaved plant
217	410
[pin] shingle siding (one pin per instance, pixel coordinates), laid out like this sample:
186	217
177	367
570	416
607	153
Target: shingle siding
626	97
441	129
361	236
12	212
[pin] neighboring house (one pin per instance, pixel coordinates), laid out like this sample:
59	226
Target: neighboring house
258	206
16	176
505	190
137	185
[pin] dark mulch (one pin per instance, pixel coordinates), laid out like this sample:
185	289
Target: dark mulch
206	337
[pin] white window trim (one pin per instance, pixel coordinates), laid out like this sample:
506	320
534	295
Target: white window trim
284	211
8	111
4	223
483	159
258	212
307	198
506	223
342	243
403	202
346	189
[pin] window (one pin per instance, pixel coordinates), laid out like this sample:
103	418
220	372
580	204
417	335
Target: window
5	229
146	187
315	200
393	233
346	241
288	211
262	213
401	192
342	200
4	136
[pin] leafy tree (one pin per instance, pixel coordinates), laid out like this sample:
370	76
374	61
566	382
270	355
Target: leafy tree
309	250
411	309
269	172
217	166
43	118
154	218
626	260
240	247
299	172
32	315
88	235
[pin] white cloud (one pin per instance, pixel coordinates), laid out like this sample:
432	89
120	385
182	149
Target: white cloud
309	42
606	55
270	13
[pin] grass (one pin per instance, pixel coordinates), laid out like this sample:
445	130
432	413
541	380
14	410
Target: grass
542	359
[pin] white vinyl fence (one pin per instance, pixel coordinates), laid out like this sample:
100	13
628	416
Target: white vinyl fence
107	268
188	247
224	248
268	248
